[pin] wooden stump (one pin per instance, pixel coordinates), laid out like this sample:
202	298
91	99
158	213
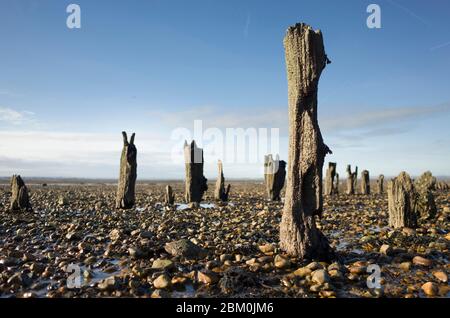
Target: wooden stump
329	178
196	183
220	193
125	197
20	200
402	202
380	184
274	176
365	182
305	60
169	196
426	205
336	186
351	180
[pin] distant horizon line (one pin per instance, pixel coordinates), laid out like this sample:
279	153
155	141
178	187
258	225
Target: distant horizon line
144	180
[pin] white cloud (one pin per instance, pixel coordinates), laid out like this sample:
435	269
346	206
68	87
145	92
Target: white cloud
14	117
380	117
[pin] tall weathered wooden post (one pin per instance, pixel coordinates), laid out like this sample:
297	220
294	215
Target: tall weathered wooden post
336	186
329	178
351	179
365	182
305	60
20	200
220	193
380	184
402	202
274	176
196	183
125	197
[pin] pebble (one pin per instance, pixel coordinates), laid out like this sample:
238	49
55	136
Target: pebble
267	248
163	281
162	264
108	284
320	277
207	277
419	260
281	262
430	289
387	250
406	266
302	272
441	276
186	249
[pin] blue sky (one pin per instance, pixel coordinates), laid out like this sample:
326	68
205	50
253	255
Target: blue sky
152	66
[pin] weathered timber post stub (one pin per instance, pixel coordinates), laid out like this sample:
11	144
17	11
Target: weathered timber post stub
365	182
274	176
351	179
220	193
402	202
20	200
380	184
336	186
329	178
127	179
196	183
169	196
305	60
426	205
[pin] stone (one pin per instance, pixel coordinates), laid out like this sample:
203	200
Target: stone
430	289
220	193
162	281
274	176
162	264
406	266
125	197
387	250
267	248
136	252
115	234
63	201
20	200
302	272
186	249
73	236
196	183
108	284
281	262
305	60
320	277
441	276
419	260
207	278
314	265
408	231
